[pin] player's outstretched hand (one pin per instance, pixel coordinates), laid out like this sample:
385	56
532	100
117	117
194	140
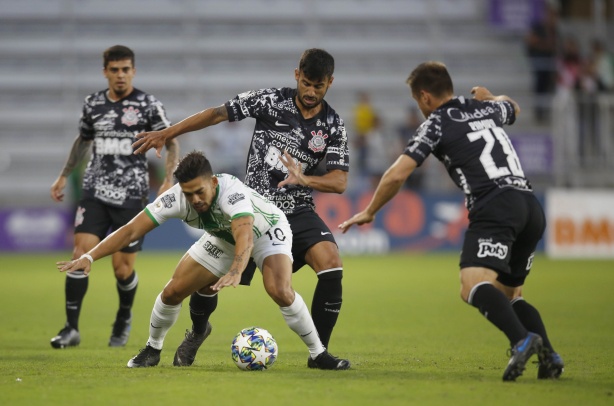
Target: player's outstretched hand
295	171
359	219
75	265
481	93
232	278
149	140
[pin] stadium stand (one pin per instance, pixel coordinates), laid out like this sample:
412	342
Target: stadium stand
192	54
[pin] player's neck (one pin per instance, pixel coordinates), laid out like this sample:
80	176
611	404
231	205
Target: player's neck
114	97
307	113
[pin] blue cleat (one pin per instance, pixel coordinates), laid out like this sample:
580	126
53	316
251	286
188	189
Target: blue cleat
522	351
550	365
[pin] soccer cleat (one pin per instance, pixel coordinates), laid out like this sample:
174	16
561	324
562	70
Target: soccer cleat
522	351
550	365
147	357
186	352
120	332
67	337
328	361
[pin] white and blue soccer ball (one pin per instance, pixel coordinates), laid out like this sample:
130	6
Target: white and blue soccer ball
254	349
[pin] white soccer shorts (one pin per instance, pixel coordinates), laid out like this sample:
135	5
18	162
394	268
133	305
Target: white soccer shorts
216	254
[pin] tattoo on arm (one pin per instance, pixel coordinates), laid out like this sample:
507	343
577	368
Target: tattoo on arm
77	153
240	256
172	156
220	112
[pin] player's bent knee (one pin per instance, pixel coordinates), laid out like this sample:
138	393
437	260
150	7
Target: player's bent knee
172	297
281	295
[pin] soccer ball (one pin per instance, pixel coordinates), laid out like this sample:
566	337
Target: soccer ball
254	349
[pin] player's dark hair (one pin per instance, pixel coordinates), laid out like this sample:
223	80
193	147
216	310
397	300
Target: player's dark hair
317	64
117	53
432	77
191	166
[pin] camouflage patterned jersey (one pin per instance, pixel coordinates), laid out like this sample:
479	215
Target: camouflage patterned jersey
467	136
280	126
114	175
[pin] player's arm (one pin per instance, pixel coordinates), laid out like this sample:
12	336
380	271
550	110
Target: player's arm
482	93
140	225
387	188
198	121
334	181
172	159
79	150
244	243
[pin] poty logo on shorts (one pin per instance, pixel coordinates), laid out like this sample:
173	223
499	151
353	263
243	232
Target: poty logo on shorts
213	250
168	200
235	197
488	249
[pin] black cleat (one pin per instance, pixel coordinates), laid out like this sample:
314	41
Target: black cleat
550	365
147	357
120	332
186	352
328	361
522	351
67	337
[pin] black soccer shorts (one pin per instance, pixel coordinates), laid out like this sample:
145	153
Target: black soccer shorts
503	234
95	217
308	229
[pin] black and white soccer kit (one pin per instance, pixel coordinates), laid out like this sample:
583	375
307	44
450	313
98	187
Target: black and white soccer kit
506	221
116	182
281	127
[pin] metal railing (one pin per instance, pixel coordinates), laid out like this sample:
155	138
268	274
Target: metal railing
583	139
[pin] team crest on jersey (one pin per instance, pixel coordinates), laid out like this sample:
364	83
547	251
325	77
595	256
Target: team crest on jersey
235	197
131	116
317	142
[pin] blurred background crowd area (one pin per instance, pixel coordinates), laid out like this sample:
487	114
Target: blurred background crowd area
553	57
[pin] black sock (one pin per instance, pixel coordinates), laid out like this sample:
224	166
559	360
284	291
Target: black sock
126	290
201	308
496	307
531	319
75	288
326	303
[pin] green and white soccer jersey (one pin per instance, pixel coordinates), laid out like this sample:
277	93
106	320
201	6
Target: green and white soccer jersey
233	199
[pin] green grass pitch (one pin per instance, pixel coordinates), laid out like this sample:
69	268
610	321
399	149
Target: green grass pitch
410	338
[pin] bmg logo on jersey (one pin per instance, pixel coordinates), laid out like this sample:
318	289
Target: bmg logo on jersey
489	249
213	250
